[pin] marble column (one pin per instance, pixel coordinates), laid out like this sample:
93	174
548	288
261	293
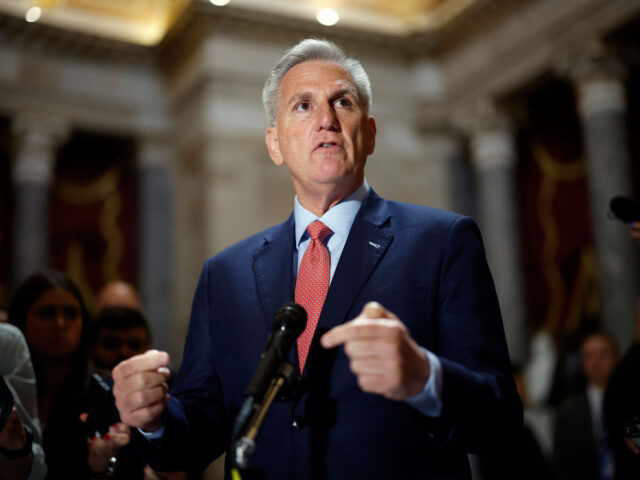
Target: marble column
601	101
37	138
493	155
445	147
154	238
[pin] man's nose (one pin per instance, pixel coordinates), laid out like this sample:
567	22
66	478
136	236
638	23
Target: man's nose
328	119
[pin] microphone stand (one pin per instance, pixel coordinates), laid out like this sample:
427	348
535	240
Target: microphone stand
245	445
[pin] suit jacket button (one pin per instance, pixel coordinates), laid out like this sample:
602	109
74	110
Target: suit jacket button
299	423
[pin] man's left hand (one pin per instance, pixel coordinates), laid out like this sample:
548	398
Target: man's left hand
384	357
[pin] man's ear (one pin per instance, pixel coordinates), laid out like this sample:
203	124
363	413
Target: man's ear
372	137
271	138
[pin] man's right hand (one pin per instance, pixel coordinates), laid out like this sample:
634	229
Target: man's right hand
140	389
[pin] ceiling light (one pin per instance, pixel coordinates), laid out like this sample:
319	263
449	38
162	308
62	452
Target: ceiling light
219	3
328	17
33	14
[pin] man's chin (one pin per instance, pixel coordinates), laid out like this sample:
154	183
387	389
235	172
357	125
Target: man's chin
338	181
336	174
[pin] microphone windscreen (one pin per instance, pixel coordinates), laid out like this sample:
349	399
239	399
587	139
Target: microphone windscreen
624	209
291	317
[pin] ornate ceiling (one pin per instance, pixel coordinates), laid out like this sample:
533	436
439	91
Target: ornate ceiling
146	22
143	22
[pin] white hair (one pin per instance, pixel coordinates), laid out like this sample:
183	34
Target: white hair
313	49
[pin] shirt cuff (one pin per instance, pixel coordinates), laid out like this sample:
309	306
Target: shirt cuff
153	437
429	401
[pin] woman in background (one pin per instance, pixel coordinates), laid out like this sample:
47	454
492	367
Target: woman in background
49	309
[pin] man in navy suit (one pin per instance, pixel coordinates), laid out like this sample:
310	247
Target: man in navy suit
408	369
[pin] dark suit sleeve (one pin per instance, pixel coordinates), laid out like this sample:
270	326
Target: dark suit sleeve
480	405
196	425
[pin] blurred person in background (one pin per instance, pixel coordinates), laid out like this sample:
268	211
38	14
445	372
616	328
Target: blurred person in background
118	294
580	439
538	377
21	453
49	309
622	409
117	333
522	458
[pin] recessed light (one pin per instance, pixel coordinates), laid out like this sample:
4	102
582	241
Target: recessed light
33	14
219	3
328	17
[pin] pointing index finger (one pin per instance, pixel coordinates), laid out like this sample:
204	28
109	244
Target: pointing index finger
358	328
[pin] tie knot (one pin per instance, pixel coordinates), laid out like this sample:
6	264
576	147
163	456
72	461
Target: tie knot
318	230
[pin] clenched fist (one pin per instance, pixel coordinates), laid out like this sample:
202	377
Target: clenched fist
140	389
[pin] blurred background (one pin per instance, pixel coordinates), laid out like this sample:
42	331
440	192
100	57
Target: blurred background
132	143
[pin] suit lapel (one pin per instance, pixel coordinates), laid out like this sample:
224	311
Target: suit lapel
367	243
273	269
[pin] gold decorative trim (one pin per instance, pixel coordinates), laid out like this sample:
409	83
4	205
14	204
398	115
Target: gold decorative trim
105	190
558	171
582	285
75	270
554	172
96	191
550	269
115	241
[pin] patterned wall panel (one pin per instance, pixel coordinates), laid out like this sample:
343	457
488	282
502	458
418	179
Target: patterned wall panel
93	212
557	239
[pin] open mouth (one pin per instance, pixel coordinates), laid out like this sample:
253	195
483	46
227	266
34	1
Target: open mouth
327	145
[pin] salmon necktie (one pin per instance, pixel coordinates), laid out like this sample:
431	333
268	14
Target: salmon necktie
312	284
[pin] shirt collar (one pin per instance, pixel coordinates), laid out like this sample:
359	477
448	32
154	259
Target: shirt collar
338	218
594	393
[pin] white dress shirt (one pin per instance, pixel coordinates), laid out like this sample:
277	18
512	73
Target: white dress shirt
339	219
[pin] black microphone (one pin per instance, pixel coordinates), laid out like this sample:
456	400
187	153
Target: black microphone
625	209
289	323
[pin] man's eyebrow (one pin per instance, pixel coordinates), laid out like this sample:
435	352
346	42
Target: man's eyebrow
347	87
345	91
299	97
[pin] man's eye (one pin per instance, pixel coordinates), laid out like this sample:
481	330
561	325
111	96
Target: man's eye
303	106
343	102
